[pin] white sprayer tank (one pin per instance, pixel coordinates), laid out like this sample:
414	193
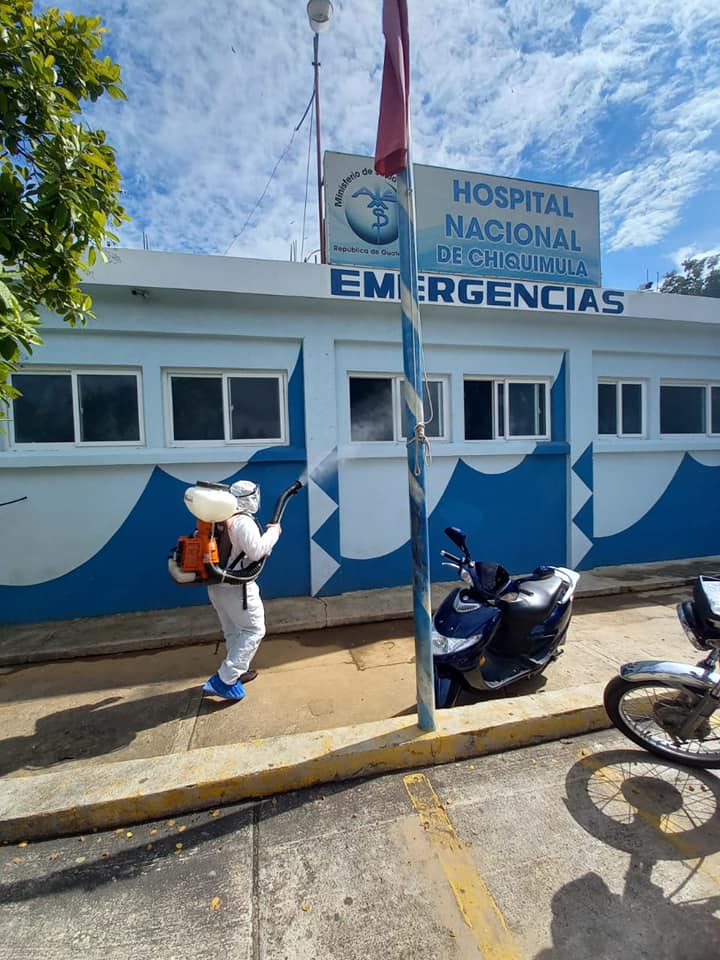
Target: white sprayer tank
209	504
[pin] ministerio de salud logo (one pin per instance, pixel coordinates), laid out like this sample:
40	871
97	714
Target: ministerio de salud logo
370	203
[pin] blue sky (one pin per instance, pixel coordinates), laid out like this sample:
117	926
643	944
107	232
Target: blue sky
622	98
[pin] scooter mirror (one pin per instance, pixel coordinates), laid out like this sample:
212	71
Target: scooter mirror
458	538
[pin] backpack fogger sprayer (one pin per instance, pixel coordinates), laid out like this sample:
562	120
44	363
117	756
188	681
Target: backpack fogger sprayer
203	557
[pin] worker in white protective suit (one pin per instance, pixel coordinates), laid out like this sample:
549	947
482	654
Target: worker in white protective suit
240	608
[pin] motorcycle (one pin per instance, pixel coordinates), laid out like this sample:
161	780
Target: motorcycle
671	709
497	629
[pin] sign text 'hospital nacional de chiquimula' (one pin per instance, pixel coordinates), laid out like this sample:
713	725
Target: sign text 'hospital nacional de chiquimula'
466	223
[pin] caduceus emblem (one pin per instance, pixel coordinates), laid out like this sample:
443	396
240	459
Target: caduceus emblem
378	203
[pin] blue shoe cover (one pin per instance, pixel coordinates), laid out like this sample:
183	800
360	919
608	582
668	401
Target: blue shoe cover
229	691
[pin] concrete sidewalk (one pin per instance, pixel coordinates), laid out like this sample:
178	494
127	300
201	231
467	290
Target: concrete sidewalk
185	626
97	741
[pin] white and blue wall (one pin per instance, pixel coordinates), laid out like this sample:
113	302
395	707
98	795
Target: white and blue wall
86	530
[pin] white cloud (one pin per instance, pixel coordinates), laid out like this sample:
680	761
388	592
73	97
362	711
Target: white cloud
692	253
623	98
639	206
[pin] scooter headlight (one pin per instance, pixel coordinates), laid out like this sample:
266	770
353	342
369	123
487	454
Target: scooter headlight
439	643
442	645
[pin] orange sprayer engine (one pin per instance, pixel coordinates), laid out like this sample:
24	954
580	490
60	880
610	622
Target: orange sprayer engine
194	552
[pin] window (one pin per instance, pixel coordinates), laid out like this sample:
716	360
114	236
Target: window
689	408
72	407
433	405
496	409
620	408
378	411
227	407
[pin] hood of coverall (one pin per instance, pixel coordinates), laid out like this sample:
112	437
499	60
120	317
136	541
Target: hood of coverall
247	495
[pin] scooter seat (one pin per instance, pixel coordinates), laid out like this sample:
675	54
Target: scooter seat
535	599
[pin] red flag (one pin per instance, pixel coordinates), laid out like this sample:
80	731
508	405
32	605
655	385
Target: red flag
391	149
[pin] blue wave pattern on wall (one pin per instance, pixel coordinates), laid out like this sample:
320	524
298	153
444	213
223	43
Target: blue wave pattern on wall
684	522
326	476
129	573
517	525
515	518
583	467
327	536
584	519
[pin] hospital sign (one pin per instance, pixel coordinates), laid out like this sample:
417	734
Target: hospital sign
466	223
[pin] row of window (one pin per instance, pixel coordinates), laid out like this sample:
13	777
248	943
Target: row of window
685	408
95	407
494	408
500	408
98	407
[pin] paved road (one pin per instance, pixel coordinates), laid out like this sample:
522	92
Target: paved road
573	850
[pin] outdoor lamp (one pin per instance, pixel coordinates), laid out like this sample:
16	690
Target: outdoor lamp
319	13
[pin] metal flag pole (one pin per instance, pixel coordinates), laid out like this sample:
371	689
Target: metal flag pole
416	447
392	156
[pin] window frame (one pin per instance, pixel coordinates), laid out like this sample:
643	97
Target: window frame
618	383
707	386
74	373
712	386
225	375
505	383
398	401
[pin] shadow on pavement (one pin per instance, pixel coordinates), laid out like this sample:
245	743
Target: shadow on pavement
216	833
654	811
91	730
105	866
589	920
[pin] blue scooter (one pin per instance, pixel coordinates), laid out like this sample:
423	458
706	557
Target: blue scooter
497	629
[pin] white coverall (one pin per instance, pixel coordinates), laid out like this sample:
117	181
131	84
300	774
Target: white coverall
243	629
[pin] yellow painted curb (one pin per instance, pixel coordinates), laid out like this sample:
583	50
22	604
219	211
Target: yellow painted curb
103	795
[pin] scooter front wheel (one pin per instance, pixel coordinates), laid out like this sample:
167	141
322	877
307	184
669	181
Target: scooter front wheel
447	690
650	714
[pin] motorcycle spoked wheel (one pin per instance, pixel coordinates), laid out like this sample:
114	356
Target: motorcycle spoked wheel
648	712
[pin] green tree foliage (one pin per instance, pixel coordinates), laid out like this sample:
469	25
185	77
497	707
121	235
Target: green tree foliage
59	183
701	278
